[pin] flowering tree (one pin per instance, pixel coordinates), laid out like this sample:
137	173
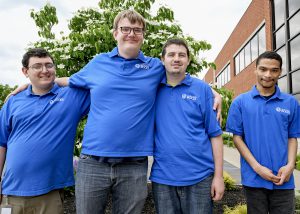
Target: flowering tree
91	33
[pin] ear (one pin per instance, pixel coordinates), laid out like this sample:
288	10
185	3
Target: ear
115	34
162	60
25	71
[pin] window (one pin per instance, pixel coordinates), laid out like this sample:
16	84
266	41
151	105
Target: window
281	52
294	5
295	53
287	23
294	25
282	84
296	82
223	76
255	46
279	12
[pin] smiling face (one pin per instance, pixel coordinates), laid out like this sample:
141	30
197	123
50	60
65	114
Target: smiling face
41	79
176	60
130	44
267	73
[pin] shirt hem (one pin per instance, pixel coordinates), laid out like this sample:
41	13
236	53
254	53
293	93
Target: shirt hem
37	192
174	183
116	154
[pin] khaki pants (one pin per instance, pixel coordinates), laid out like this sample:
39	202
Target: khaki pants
50	203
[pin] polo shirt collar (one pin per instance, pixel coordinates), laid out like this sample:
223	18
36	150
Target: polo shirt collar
54	90
186	81
278	94
115	52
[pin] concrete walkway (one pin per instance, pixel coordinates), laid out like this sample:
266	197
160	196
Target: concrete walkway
232	163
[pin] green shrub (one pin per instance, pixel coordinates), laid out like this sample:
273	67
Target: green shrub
227	96
228	140
297	203
238	209
298	162
230	183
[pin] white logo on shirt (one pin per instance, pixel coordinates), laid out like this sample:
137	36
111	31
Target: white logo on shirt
143	66
188	97
278	109
57	100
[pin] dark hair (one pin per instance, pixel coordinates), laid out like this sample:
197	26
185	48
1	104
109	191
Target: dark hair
175	41
269	55
35	52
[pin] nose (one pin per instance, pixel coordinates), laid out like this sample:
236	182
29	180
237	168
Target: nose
131	33
44	69
268	73
176	57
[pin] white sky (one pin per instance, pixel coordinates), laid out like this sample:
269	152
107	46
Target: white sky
210	20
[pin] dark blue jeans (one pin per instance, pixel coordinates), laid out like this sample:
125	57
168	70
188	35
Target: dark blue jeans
262	201
127	181
194	199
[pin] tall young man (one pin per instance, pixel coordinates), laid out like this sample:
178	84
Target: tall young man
187	173
265	127
37	134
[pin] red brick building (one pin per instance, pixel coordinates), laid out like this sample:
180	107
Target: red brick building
266	25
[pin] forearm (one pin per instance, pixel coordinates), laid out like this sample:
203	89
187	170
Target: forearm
292	151
245	152
2	158
217	147
62	81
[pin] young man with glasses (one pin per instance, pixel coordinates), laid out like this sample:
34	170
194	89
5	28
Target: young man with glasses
37	133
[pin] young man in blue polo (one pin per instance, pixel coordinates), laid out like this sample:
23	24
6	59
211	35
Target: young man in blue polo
187	173
37	133
265	127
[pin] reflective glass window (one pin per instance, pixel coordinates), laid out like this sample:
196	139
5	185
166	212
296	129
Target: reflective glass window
280	37
254	48
281	52
295	24
237	64
262	40
293	6
282	83
296	82
247	55
279	6
295	53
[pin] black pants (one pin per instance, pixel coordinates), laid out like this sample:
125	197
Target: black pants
263	201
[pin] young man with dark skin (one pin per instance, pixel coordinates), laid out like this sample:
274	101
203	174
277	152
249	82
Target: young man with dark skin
265	127
190	176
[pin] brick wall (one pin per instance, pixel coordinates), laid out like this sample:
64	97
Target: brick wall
257	13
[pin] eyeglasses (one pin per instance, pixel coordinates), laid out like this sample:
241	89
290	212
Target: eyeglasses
39	67
136	30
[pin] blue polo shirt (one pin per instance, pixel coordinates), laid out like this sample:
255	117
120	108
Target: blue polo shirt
265	126
185	122
121	117
39	132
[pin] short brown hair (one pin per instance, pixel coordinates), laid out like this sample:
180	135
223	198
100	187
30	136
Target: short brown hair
132	16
